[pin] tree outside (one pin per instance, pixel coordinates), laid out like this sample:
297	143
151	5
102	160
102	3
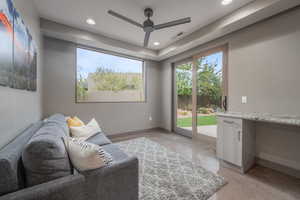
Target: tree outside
106	81
109	80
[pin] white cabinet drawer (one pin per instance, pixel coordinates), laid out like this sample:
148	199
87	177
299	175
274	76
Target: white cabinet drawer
232	121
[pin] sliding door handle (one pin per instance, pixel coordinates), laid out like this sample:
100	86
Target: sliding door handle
239	136
225	103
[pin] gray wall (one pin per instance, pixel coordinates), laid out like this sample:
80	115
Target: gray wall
264	64
59	87
20	108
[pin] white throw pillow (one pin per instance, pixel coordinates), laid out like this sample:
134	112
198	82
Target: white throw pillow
86	131
86	156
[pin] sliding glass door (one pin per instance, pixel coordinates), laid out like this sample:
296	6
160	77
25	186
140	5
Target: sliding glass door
211	90
200	85
183	85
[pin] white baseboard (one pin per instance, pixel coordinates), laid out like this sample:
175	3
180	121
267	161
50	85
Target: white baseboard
285	166
281	161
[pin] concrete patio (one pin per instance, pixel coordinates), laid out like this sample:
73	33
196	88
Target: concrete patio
205	130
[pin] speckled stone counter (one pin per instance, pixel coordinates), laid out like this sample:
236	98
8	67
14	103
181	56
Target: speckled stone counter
264	117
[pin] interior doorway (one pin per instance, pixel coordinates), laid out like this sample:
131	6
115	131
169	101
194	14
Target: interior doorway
200	91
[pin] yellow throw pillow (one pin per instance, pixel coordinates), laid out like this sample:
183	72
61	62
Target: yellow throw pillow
77	119
74	122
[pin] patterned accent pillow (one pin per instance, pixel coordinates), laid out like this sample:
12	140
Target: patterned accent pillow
86	156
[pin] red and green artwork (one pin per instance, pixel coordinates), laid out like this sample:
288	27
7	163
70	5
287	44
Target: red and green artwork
18	55
6	41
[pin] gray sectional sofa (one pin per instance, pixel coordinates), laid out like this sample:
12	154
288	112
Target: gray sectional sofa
35	166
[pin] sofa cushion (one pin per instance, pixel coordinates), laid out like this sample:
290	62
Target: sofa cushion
116	153
60	121
11	167
45	157
99	139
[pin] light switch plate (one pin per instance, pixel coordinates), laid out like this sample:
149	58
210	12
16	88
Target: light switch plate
244	99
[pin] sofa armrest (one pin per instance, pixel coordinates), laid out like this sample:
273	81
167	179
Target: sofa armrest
114	182
65	188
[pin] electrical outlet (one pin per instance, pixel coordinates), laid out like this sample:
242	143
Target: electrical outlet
244	99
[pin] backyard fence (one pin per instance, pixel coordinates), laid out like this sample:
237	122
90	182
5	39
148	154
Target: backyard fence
184	102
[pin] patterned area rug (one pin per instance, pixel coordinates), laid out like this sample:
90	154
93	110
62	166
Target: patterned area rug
166	175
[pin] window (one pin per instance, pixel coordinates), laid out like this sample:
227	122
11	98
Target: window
102	77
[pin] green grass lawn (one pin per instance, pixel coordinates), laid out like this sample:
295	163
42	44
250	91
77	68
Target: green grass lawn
201	121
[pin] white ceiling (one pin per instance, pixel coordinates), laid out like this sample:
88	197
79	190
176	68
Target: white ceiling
75	12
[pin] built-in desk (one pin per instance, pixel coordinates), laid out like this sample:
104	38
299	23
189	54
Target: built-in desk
279	119
236	136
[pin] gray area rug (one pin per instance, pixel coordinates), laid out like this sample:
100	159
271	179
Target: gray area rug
166	175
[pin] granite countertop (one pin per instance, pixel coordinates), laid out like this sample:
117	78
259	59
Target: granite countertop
264	117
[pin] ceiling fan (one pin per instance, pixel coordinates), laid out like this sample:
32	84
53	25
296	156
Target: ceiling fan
148	25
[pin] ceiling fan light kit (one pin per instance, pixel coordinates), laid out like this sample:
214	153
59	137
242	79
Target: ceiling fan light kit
148	26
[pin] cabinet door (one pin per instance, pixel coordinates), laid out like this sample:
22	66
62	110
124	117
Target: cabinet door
232	142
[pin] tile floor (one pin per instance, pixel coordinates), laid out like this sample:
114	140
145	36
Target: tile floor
260	183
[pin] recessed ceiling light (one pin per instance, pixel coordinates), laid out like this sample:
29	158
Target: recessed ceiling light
226	2
156	43
90	21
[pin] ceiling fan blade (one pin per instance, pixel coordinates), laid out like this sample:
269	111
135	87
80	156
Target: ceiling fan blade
125	18
173	23
146	40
